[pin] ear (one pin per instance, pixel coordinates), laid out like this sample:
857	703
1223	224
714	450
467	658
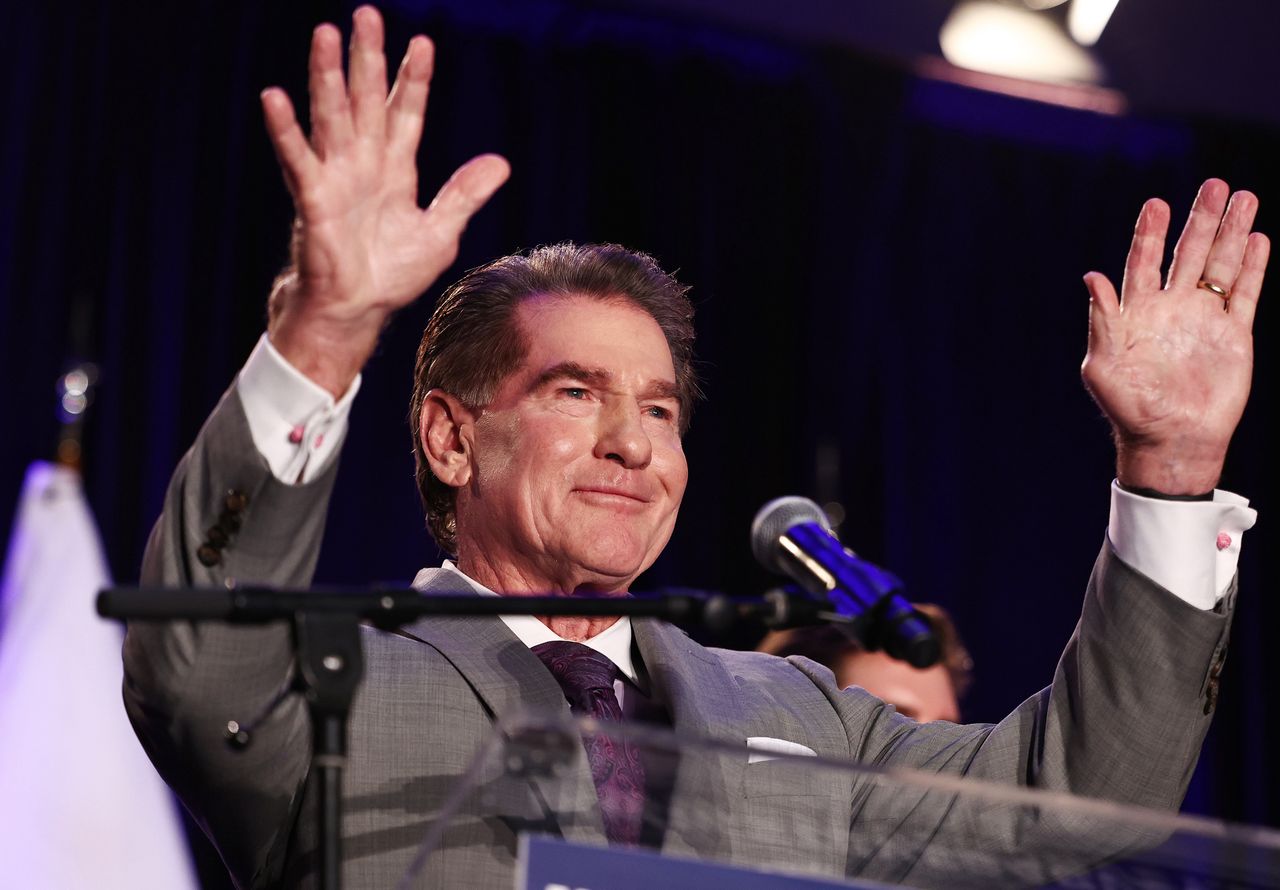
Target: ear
446	427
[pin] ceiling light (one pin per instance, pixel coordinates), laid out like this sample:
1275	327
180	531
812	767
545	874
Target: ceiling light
1086	19
1014	42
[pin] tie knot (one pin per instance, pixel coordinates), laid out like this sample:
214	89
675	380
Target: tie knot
577	668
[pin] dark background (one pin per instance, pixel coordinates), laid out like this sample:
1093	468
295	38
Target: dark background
886	268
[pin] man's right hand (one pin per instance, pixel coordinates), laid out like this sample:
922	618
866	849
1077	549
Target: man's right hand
362	247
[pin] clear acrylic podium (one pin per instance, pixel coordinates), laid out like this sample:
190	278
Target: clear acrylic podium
758	815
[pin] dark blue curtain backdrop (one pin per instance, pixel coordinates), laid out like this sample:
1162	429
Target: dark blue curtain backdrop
887	272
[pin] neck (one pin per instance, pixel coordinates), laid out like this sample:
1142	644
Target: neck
577	629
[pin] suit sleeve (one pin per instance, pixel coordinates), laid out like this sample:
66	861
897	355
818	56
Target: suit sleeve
225	518
1124	720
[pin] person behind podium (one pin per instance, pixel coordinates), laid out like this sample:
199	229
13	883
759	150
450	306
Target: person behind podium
923	694
563	472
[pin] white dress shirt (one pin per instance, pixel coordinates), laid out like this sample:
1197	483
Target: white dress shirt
295	423
614	642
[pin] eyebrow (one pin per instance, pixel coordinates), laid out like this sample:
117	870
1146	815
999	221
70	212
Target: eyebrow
601	379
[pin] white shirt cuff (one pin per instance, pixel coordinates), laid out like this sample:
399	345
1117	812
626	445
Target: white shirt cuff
295	423
1188	547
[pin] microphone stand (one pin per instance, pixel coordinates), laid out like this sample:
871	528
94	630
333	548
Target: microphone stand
330	659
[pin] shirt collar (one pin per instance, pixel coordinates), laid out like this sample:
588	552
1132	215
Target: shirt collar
614	642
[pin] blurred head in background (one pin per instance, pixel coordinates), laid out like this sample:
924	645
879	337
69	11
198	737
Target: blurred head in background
922	694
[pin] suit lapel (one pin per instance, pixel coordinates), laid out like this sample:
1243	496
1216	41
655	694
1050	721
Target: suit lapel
691	682
516	688
704	702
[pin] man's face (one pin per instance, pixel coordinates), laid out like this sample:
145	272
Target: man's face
578	468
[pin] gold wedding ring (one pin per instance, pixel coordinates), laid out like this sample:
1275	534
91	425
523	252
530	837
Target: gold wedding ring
1217	289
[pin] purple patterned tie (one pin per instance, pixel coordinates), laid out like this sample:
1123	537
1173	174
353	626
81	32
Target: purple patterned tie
587	678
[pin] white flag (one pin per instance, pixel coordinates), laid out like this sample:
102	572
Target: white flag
80	804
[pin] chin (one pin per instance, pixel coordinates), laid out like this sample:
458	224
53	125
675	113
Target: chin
610	555
608	575
611	568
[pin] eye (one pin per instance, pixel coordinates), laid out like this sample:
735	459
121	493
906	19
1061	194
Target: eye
574	392
659	413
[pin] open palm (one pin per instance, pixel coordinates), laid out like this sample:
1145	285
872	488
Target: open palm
1171	365
362	247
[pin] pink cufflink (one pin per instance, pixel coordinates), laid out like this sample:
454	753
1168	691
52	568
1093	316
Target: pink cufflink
295	434
1224	540
319	440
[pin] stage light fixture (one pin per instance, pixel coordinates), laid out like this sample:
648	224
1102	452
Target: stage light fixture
1013	41
1086	19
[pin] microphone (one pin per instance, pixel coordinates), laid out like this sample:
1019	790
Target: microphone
791	536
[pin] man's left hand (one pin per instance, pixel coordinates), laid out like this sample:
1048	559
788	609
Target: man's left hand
1171	366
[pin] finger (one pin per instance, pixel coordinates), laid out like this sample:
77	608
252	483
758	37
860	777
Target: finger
368	67
1223	263
1197	236
297	160
1104	308
1146	253
1248	286
465	193
1104	304
331	127
1102	293
407	106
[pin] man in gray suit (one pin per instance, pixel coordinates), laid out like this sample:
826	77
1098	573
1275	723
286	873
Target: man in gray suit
551	395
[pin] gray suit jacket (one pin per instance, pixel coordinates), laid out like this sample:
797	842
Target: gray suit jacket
1124	719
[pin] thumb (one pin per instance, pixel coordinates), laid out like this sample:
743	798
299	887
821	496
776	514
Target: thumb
1104	305
1102	292
466	192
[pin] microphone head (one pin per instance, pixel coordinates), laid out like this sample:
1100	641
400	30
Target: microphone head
772	522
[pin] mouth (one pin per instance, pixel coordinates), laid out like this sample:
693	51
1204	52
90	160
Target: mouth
611	496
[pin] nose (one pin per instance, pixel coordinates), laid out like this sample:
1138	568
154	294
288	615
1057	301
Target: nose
621	437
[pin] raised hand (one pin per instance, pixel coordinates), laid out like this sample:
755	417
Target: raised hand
362	247
1171	366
